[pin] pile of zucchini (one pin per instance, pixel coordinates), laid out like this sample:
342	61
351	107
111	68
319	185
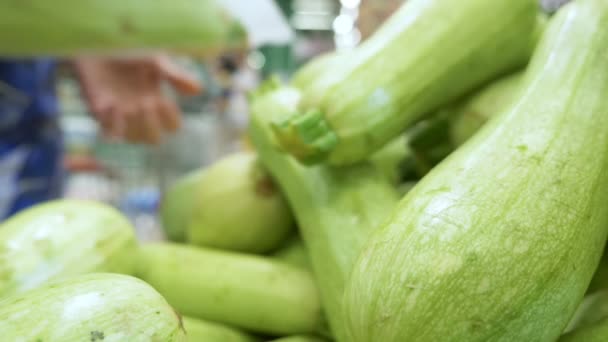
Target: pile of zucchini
444	181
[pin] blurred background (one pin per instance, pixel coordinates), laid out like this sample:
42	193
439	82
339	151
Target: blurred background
284	34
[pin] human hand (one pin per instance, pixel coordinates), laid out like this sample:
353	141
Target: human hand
126	97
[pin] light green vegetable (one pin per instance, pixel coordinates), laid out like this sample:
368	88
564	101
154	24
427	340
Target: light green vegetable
597	332
390	158
92	307
593	309
202	331
336	208
485	104
310	71
177	204
238	207
67	27
600	278
500	241
300	339
246	291
428	54
294	253
63	238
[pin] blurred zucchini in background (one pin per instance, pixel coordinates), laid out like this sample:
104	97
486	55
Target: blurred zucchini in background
63	238
69	27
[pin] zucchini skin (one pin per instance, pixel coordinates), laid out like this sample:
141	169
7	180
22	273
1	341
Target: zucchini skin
177	205
597	332
201	27
202	331
336	208
246	291
410	67
91	307
500	241
592	310
63	238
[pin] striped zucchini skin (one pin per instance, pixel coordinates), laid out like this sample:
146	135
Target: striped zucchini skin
69	27
500	241
63	238
202	331
92	307
428	54
246	291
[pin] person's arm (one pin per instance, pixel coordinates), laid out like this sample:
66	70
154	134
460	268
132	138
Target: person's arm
125	95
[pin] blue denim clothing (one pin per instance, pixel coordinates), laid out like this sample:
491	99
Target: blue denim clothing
30	138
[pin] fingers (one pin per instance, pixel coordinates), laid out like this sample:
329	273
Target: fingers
179	78
169	115
150	126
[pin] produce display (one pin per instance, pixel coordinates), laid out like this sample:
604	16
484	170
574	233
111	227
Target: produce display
69	27
444	181
426	55
500	241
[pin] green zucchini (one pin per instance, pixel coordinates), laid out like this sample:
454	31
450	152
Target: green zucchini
428	54
483	105
63	238
600	278
316	66
300	339
597	332
91	307
69	27
238	207
500	241
251	292
336	208
593	309
390	159
294	253
177	205
202	331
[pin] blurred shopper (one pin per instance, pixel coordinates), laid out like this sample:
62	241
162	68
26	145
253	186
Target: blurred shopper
123	94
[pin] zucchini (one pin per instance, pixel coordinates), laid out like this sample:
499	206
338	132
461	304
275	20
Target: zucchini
62	238
600	278
202	331
500	241
91	307
336	208
69	27
597	332
593	309
300	339
238	207
294	253
483	105
246	291
316	66
428	54
177	205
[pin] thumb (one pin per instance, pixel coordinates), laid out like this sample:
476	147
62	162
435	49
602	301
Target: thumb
178	77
